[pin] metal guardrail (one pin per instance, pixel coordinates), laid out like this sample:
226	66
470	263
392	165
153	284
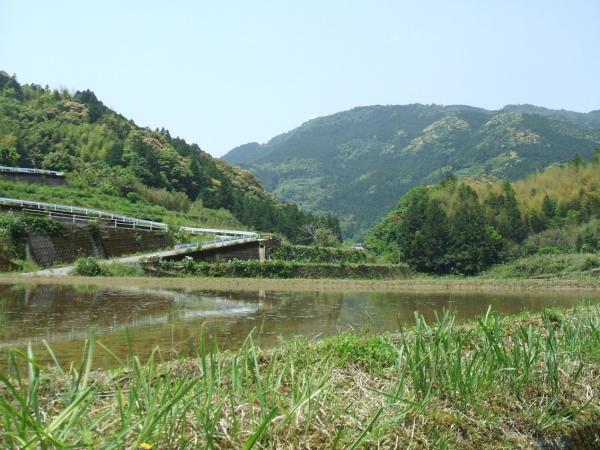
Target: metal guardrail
27	170
194	230
188	245
216	241
75	214
87	212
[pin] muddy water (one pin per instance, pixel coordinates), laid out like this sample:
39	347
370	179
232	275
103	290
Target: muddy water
173	320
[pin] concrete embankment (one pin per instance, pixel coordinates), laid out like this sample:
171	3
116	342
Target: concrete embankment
75	241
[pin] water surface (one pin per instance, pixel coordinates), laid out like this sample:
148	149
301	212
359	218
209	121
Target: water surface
173	319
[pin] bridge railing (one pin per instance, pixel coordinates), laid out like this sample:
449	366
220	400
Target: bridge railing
194	230
229	240
26	170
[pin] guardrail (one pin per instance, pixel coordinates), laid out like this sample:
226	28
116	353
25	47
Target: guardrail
27	170
216	241
75	214
131	222
194	230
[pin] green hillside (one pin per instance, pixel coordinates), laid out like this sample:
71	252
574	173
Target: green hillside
357	163
113	164
466	226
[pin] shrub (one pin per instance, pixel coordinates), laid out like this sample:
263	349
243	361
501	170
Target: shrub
588	240
88	267
284	269
554	240
331	255
15	228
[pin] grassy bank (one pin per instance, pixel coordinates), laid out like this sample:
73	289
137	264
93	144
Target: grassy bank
562	265
513	382
278	269
440	285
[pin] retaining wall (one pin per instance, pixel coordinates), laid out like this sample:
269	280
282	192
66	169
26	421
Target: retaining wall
75	241
34	178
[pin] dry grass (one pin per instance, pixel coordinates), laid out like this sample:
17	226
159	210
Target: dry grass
425	284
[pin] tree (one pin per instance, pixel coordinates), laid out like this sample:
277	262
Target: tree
432	240
8	150
324	237
412	218
577	161
95	107
537	220
474	243
548	207
59	160
509	222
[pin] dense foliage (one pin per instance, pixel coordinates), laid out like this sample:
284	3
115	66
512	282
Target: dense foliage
99	148
88	267
465	227
314	254
281	269
14	229
358	163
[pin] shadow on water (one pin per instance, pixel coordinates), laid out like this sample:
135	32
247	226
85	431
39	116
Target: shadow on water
172	319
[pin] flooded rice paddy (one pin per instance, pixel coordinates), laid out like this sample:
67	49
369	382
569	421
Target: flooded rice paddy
174	320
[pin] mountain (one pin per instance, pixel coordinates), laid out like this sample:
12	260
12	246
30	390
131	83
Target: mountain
114	164
357	163
591	119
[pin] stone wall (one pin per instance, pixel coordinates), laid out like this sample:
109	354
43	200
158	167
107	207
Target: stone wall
121	241
82	240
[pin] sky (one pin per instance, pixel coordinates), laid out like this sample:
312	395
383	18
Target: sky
224	73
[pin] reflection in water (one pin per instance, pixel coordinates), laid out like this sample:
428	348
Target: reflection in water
173	319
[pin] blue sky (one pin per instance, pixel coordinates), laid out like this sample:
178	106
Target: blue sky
223	73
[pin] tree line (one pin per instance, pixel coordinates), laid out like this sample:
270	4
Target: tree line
77	133
464	227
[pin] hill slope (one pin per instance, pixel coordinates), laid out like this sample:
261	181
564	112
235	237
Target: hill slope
465	226
113	164
357	163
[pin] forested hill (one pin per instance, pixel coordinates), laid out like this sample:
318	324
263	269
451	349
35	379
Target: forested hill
106	154
466	226
358	163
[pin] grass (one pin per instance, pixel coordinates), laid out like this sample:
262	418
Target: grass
90	266
549	265
96	198
425	284
503	383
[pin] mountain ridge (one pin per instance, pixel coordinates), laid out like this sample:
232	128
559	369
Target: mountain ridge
357	163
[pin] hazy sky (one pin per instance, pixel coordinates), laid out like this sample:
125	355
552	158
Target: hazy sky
223	73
